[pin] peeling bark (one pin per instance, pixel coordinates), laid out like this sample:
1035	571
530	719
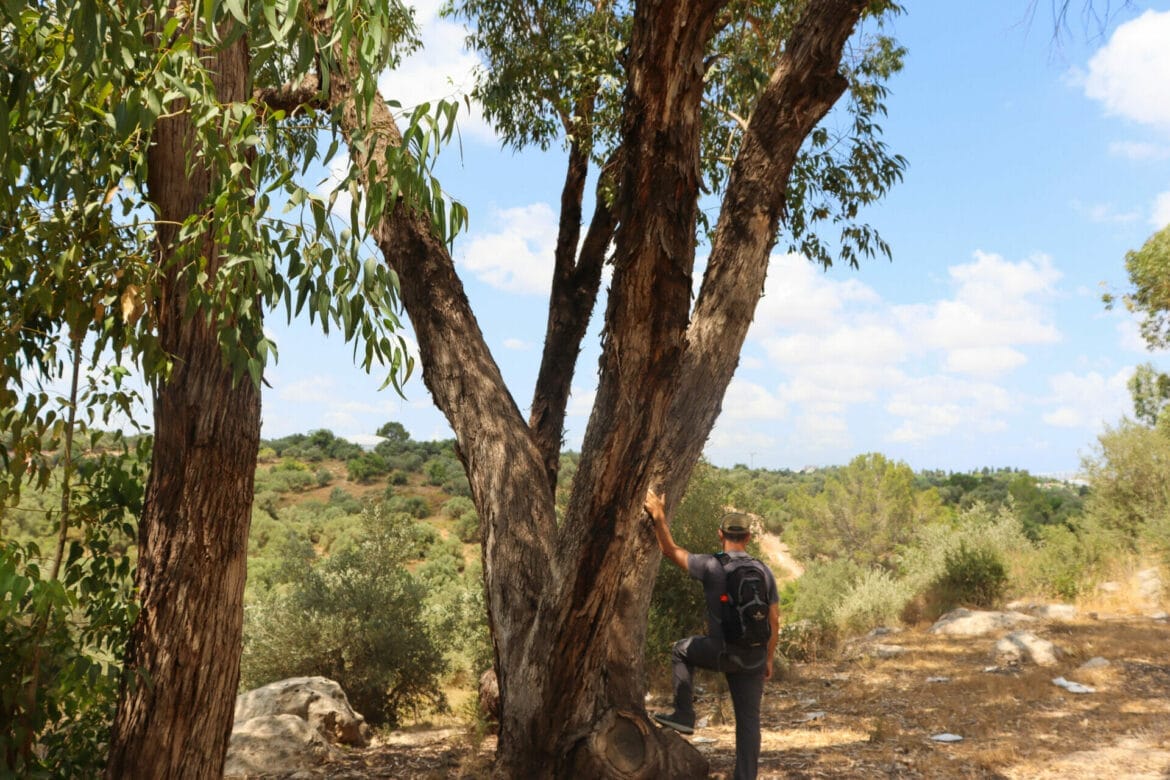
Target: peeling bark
178	693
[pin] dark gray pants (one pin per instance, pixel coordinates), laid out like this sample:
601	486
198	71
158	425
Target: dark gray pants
745	679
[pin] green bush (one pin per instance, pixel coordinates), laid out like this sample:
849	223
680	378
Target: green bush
972	577
462	510
816	595
365	466
468	529
458	506
876	598
324	477
457	486
415	506
355	617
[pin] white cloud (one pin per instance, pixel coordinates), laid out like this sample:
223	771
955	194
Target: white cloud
747	400
580	401
1105	213
1160	216
1130	73
1139	151
820	432
997	307
519	256
313	389
1129	335
933	406
519	345
739	443
984	361
799	294
441	69
1087	400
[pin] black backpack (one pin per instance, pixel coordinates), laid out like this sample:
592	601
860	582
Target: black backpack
745	604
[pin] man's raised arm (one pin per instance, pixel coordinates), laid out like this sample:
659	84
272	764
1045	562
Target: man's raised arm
656	508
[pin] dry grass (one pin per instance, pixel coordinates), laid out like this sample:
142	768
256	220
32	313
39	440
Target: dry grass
881	713
853	715
873	718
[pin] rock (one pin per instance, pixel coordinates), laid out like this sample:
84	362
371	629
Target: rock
1149	583
1062	612
883	631
489	696
1096	662
1025	647
319	701
938	679
275	744
1109	587
1161	617
1072	687
947	737
886	651
966	622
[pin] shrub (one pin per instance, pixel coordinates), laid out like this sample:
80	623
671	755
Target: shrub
441	469
816	595
457	486
972	576
468	530
414	506
407	462
347	503
324	477
876	598
457	507
363	468
354	617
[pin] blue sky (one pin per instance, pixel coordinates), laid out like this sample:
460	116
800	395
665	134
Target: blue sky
1035	163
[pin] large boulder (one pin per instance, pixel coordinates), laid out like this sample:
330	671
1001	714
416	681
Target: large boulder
291	727
966	622
317	700
277	745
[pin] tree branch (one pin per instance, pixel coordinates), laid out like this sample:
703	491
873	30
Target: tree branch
576	279
292	98
803	87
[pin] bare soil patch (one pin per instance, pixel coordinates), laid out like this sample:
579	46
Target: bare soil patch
859	716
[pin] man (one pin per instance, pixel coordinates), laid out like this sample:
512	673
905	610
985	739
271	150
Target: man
745	667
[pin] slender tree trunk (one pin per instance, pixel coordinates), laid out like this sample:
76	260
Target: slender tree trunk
176	706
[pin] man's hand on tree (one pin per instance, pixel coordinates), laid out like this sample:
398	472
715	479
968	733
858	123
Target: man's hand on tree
655	506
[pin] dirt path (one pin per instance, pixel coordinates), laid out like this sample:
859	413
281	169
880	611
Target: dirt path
776	552
870	711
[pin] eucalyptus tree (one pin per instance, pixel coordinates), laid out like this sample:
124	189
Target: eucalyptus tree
143	157
676	108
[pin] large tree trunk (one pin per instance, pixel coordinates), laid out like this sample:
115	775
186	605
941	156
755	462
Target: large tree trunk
568	602
176	707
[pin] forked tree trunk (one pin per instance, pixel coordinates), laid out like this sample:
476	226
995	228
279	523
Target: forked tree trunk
176	707
568	601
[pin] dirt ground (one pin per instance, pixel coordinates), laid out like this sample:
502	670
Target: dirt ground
871	711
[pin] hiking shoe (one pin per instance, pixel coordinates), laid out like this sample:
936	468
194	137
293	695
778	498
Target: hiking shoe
677	722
